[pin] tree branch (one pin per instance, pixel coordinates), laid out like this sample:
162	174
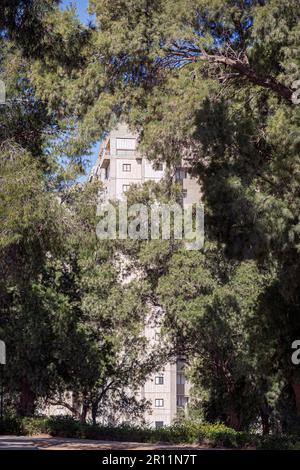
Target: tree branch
241	66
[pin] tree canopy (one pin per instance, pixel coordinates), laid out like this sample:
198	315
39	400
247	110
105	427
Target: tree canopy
211	82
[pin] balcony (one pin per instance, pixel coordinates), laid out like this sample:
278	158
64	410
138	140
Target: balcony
105	158
180	389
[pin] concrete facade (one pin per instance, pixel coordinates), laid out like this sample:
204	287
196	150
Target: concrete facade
119	165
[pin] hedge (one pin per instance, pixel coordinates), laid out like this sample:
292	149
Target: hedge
187	432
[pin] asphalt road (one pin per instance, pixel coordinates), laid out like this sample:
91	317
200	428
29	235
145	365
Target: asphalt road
16	443
56	443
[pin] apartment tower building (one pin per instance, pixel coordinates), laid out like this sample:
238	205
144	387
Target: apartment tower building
119	165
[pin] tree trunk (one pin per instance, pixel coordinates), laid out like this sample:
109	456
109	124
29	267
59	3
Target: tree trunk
296	389
84	412
234	419
265	422
76	405
27	399
94	412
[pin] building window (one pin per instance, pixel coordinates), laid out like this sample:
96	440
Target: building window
159	402
159	424
126	167
126	144
106	172
124	153
184	193
159	380
139	161
182	401
180	379
125	187
180	175
158	167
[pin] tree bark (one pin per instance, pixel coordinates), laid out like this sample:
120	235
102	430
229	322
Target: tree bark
234	420
242	68
27	399
94	412
296	389
265	421
84	412
253	77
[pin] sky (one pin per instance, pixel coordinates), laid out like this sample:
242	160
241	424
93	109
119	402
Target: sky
85	18
81	8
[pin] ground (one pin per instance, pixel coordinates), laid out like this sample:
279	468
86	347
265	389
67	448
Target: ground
45	442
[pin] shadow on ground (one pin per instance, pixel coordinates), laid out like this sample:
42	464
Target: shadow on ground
57	443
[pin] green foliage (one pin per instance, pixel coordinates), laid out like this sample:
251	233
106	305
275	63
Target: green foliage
215	435
187	432
156	62
212	313
10	425
67	321
210	81
30	426
278	442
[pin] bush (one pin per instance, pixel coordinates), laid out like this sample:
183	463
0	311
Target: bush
185	432
32	426
124	432
10	425
65	426
218	435
278	442
295	446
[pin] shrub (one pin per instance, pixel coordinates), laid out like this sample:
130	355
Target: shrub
277	442
124	432
65	426
185	432
188	432
10	425
295	446
31	426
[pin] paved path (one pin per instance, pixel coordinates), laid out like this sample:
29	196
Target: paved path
45	442
16	443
